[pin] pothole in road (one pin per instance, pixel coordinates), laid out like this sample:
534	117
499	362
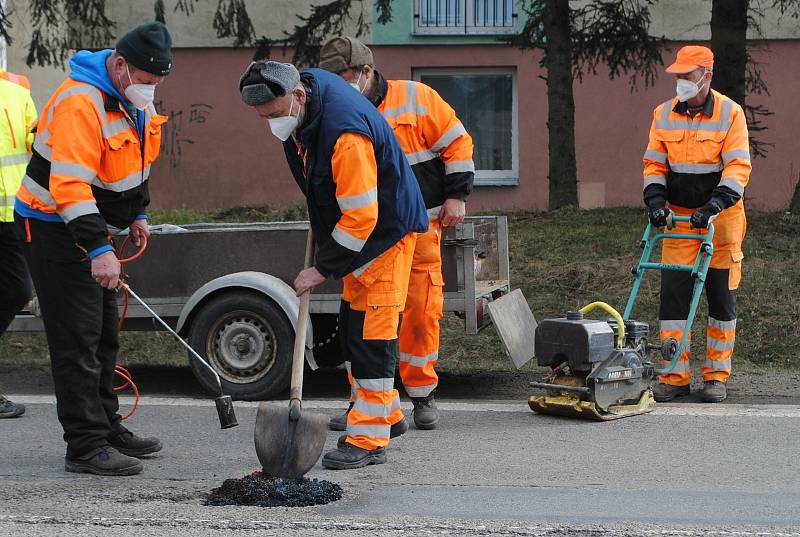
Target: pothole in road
260	490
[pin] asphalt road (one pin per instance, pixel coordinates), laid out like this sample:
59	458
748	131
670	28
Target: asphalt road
491	468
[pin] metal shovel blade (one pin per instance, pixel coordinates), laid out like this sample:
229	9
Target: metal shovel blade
288	447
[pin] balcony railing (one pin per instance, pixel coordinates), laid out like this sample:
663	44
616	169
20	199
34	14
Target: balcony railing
443	17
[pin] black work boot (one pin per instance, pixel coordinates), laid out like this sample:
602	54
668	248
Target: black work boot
426	415
398	429
714	391
348	457
103	461
667	392
9	409
339	423
129	444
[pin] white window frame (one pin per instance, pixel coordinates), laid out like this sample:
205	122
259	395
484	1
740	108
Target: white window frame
488	177
466	23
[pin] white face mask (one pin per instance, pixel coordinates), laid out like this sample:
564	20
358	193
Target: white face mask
140	95
283	127
355	84
686	89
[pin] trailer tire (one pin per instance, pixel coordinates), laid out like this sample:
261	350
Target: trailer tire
248	340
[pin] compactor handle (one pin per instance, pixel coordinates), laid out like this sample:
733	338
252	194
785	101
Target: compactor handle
614	313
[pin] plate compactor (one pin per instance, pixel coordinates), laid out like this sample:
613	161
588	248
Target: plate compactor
602	369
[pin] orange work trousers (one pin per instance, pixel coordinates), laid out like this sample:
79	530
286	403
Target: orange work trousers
722	280
419	331
369	318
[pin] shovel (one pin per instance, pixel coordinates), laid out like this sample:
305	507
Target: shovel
289	443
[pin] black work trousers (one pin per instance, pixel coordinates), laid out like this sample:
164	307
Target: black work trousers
80	319
676	295
15	287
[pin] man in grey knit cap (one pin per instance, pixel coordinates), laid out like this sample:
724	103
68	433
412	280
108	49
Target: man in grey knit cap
365	209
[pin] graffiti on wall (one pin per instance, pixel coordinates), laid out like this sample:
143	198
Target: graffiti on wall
179	131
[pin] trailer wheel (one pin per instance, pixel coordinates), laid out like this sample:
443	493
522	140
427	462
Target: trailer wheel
248	340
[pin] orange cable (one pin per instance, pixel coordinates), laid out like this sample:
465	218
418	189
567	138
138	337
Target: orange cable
118	369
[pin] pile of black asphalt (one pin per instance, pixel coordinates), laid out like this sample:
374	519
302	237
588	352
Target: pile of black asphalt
260	490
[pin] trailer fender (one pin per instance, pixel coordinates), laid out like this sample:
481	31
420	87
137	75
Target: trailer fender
276	289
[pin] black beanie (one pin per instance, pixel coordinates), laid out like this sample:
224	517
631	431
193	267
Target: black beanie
148	47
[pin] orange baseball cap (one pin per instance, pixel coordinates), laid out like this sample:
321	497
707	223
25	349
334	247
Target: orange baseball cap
692	57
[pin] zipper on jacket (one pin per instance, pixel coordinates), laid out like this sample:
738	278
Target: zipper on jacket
10	129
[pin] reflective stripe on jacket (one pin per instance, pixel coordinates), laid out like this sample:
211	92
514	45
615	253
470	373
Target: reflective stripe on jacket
355	174
17	119
693	159
89	165
435	142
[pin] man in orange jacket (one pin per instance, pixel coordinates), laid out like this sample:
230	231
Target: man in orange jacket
97	138
16	137
439	150
365	209
697	164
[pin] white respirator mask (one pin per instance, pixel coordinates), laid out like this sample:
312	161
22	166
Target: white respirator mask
283	127
140	95
355	84
686	89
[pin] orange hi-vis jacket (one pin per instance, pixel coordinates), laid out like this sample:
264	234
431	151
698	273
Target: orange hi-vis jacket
17	120
436	144
89	166
690	160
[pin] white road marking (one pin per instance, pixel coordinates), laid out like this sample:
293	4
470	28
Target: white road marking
673	409
383	527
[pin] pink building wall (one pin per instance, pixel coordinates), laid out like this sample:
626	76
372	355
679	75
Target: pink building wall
218	153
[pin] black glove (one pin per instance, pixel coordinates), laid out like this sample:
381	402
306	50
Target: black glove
701	216
658	216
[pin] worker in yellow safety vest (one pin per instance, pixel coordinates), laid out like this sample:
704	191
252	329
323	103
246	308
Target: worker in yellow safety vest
439	150
17	123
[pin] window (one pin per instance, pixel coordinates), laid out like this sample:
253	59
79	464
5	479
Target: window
485	101
442	17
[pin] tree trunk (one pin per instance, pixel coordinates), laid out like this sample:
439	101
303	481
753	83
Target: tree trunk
729	43
794	205
560	105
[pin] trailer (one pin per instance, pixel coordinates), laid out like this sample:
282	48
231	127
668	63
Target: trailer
226	288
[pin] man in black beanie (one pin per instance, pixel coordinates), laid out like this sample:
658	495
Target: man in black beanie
97	139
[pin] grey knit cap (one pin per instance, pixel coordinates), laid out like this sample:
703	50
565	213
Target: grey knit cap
253	82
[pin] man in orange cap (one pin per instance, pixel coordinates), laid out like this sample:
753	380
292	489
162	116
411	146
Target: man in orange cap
697	164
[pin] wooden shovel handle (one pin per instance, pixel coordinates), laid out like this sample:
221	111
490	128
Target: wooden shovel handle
298	359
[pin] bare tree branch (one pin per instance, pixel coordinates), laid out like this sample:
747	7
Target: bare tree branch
307	37
60	26
616	33
384	8
187	6
49	40
611	32
232	20
158	7
5	24
792	7
754	115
